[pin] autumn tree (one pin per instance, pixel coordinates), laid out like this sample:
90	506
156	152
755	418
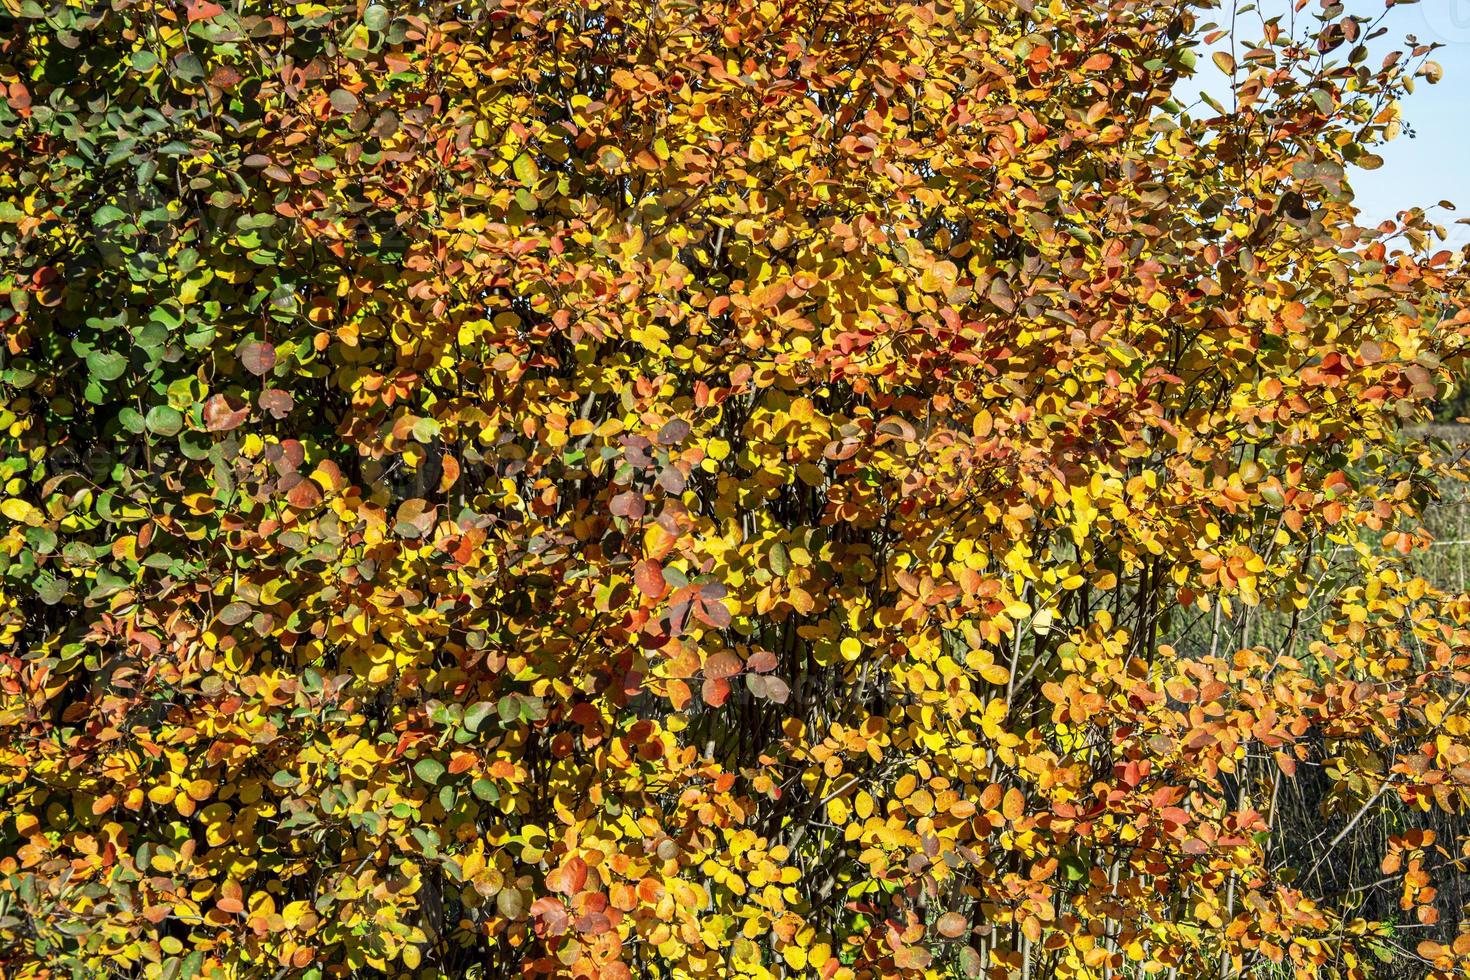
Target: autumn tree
672	488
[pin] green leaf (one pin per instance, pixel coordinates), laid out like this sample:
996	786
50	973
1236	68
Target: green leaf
41	539
476	715
50	589
509	708
164	421
429	770
195	445
780	560
1073	867
106	365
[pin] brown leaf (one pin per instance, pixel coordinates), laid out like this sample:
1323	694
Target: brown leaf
952	925
415	518
305	494
224	77
723	664
258	357
594	924
629	504
277	402
716	691
768	687
674	432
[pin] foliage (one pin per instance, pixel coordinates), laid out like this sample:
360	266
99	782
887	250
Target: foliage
665	488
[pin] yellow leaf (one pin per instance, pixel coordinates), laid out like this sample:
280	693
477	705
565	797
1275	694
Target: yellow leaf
21	512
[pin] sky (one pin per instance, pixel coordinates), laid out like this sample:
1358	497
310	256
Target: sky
1434	164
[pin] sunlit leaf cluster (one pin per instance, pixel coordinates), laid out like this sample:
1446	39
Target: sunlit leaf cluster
720	488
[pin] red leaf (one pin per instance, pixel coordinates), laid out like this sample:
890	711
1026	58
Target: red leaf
220	416
202	10
569	878
551	916
1174	817
649	577
594	924
678	617
762	661
712	613
18	96
224	77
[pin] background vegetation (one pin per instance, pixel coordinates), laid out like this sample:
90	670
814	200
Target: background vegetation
651	488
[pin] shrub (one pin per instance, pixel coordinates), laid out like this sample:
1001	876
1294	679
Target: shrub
678	489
